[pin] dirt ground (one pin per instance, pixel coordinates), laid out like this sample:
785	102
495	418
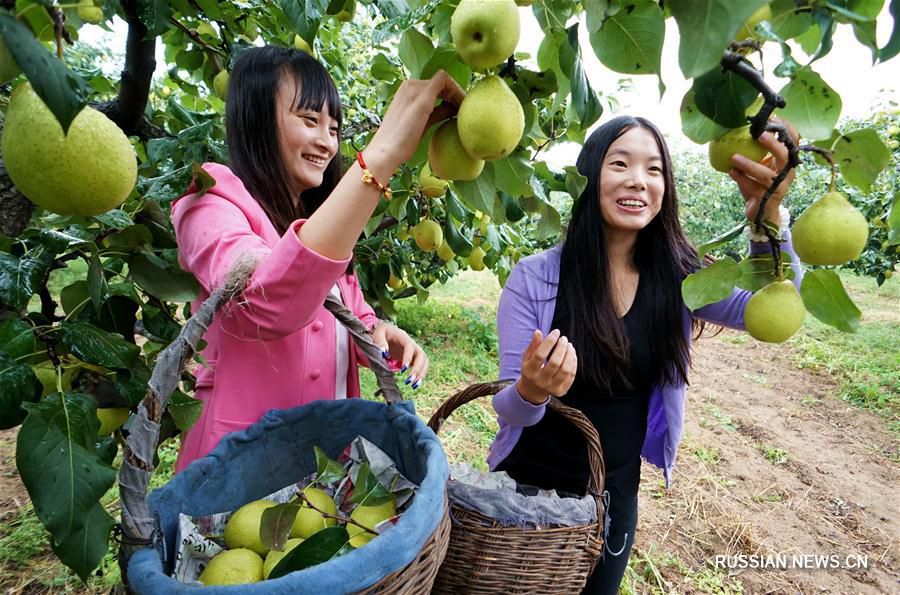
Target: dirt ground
773	463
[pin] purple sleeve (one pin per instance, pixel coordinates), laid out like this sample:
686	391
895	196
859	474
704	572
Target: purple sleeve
730	311
516	322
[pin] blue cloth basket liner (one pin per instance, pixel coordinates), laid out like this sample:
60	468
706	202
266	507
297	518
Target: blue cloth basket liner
278	450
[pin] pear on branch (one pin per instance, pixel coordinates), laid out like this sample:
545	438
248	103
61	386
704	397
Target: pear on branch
734	142
490	120
485	32
448	158
830	232
775	312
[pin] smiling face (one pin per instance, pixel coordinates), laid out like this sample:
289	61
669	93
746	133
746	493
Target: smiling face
632	182
308	139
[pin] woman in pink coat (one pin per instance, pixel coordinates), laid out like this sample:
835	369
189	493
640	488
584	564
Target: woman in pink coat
285	203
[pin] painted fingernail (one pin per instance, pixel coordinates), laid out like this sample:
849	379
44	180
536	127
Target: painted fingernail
384	354
415	386
403	369
413	379
406	381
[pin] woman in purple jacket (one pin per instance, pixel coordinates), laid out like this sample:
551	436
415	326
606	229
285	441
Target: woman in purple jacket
600	321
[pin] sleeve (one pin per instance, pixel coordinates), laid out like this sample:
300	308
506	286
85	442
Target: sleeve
289	282
365	313
516	321
730	311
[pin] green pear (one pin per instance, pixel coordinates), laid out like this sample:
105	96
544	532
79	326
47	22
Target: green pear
490	119
220	84
233	567
736	141
369	516
830	231
207	30
300	44
394	282
88	171
274	556
308	520
445	252
428	235
111	419
89	13
476	258
346	15
403	234
447	156
764	13
8	67
485	32
774	313
242	528
431	185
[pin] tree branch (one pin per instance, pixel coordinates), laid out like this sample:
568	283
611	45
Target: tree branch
140	62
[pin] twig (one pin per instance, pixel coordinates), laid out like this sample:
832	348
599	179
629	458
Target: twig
338	517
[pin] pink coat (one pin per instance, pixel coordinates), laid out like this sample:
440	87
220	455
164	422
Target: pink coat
277	348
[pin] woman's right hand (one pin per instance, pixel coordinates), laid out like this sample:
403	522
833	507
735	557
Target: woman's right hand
411	112
545	373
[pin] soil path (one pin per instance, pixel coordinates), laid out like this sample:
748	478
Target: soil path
773	462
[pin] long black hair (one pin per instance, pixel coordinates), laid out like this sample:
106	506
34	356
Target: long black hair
251	128
662	254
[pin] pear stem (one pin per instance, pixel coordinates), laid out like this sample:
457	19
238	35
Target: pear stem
338	517
827	156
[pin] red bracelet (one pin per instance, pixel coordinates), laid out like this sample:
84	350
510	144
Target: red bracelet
369	178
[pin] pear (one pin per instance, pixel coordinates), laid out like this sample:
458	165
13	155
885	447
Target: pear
8	67
734	142
431	185
830	231
89	171
445	252
764	13
485	32
490	119
220	84
346	15
274	556
476	258
242	528
308	520
394	282
774	313
369	516
428	235
111	418
447	156
233	567
300	44
89	13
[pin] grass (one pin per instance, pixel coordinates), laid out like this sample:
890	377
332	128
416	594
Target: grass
776	456
868	360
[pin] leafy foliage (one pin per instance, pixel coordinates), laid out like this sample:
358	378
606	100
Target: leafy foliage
99	330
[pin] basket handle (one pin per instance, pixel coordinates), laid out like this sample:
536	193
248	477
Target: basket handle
596	464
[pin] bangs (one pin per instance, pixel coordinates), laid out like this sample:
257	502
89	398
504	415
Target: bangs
315	89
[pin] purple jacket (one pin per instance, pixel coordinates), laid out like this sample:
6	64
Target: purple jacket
528	302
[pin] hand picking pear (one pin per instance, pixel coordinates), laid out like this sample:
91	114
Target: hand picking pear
774	313
88	171
830	231
447	156
485	32
490	119
734	142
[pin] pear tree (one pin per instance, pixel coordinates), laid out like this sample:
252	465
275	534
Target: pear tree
90	286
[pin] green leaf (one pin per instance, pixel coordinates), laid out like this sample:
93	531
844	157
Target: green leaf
115	218
19	279
185	410
825	298
449	60
328	471
512	208
415	50
513	174
550	223
720	240
18	385
321	547
304	15
168	283
97	284
710	284
575	182
74	297
83	550
892	47
480	193
97	346
60	240
64	92
131	388
861	156
459	243
57	460
133	236
631	40
17	338
383	69
154	14
724	97
276	524
695	125
366	488
706	27
758	270
587	106
893	221
813	107
168	186
201	180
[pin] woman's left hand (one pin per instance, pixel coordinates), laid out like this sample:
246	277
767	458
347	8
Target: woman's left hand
754	177
402	348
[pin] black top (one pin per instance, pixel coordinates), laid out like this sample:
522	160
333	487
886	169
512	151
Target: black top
552	454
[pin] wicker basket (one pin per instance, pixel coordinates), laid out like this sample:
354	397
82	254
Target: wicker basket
487	557
143	544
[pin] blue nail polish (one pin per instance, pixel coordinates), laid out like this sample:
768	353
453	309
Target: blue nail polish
415	386
384	354
406	381
403	369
